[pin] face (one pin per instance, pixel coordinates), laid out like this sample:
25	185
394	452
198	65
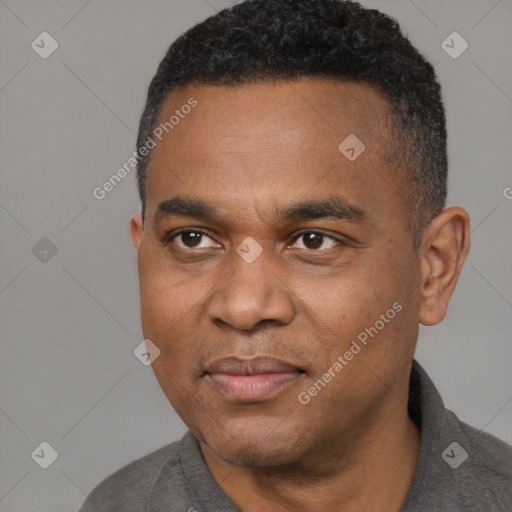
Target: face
277	274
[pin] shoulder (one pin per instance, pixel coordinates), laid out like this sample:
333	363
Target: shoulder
128	488
488	466
460	468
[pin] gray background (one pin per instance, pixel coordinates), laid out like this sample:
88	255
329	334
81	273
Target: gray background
69	325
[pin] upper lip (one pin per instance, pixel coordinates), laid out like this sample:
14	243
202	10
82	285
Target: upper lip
254	366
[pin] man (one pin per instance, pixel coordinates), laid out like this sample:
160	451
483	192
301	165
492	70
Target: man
293	236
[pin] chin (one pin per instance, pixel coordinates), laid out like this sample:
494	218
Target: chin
253	455
253	447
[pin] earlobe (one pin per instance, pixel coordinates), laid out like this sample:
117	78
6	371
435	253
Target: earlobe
136	230
444	248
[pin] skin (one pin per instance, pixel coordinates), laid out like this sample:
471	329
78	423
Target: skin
250	151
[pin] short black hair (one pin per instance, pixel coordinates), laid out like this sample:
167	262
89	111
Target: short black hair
276	40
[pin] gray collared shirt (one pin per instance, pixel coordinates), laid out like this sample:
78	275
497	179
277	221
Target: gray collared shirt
459	469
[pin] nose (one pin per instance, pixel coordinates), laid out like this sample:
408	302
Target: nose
251	293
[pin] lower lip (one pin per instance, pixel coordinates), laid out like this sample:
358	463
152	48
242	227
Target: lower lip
252	388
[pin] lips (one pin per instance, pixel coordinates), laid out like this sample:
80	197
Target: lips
251	380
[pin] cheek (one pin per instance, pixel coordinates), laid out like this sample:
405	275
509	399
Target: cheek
340	304
179	389
165	296
168	307
363	311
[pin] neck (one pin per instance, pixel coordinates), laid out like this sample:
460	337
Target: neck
372	469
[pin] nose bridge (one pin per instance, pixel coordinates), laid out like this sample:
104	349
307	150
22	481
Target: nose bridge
249	280
251	292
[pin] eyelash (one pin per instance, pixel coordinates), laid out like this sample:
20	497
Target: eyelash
167	239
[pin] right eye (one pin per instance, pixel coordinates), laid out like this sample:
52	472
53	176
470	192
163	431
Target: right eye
192	239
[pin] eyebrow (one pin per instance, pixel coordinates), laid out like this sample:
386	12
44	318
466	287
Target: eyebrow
184	207
333	207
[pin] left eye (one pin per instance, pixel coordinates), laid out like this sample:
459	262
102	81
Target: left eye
315	241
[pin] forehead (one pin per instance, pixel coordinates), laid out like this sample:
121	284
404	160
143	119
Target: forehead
265	139
314	106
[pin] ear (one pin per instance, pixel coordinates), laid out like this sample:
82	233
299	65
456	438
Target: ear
443	249
136	230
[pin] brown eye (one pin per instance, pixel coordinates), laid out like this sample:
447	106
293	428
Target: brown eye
193	239
314	241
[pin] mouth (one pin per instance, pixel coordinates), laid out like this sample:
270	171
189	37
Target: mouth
251	380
